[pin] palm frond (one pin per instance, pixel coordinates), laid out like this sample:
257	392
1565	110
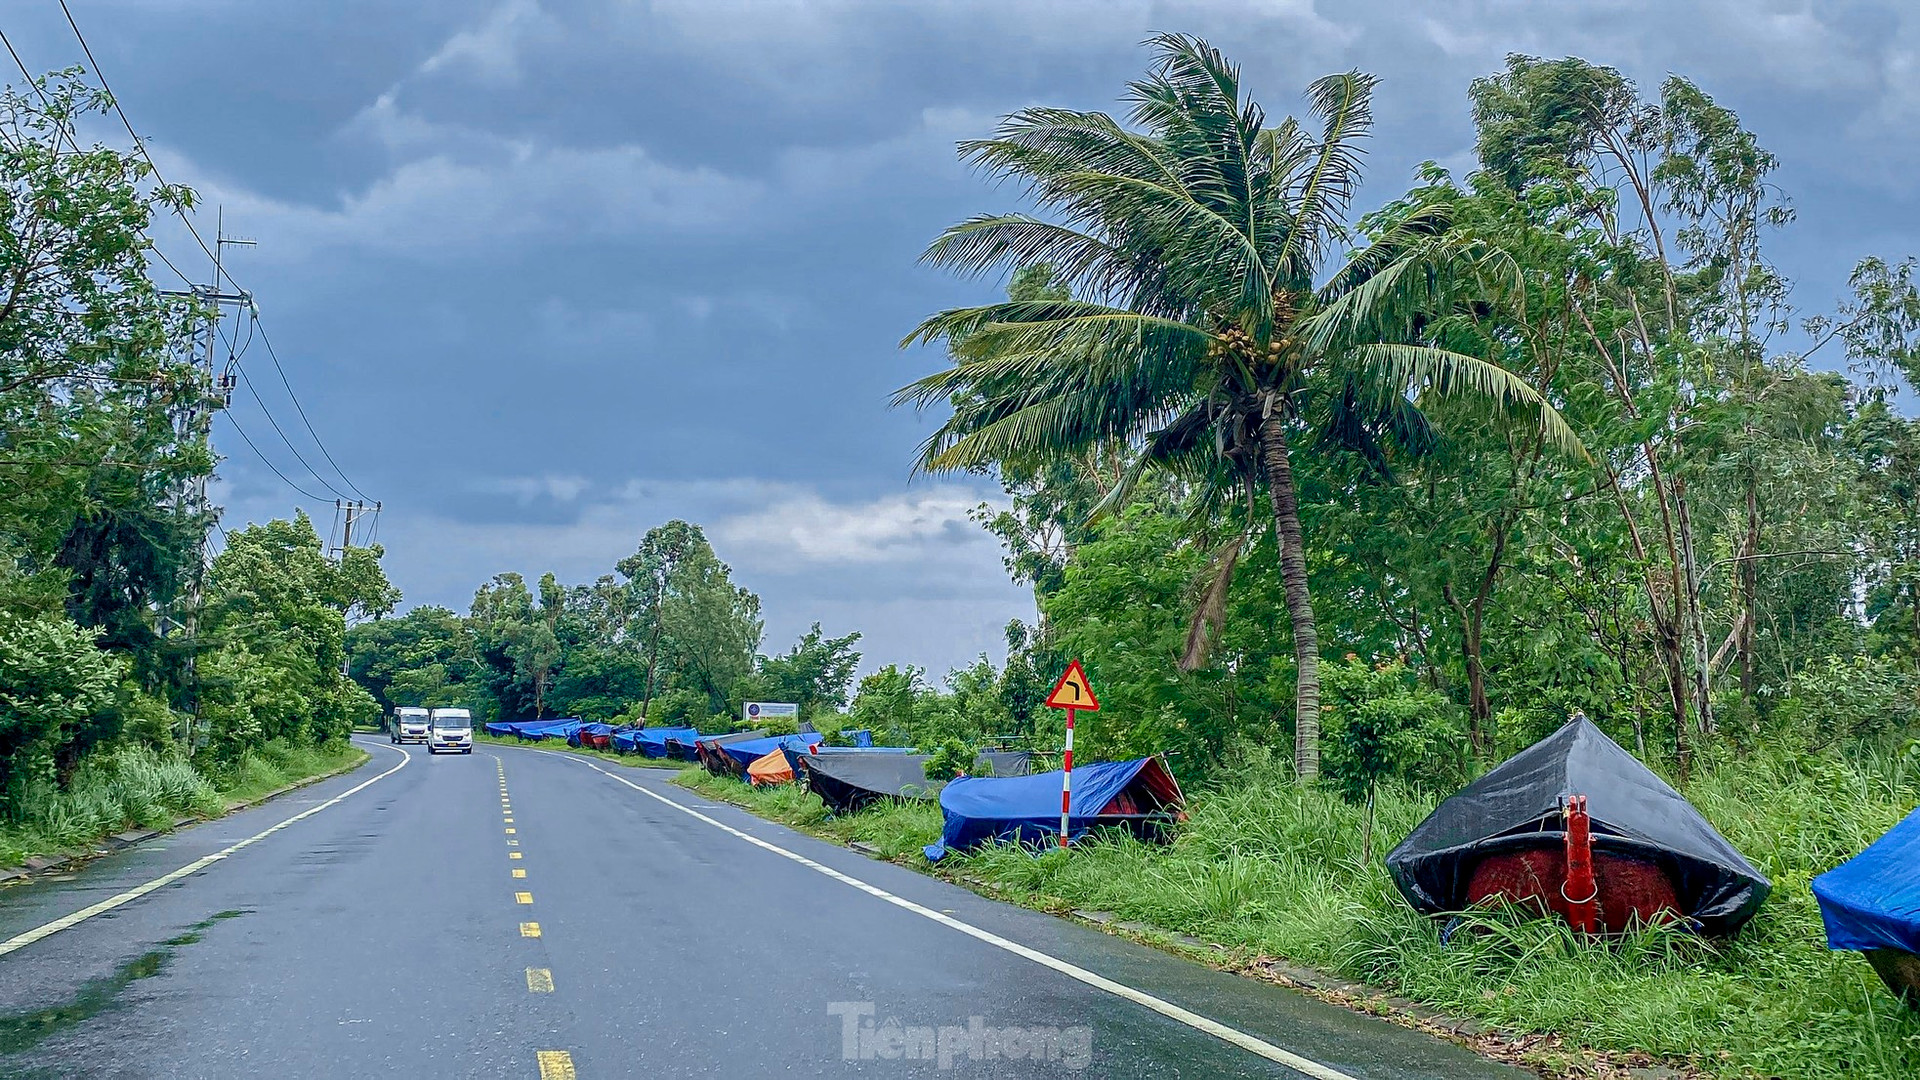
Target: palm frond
1324	186
1396	369
1210	614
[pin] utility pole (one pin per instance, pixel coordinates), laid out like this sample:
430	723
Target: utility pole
196	422
351	512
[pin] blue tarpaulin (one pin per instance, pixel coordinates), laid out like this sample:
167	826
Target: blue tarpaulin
552	729
522	728
746	753
860	736
1872	901
653	741
1027	808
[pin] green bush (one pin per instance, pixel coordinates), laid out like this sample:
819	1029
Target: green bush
1847	701
950	759
1380	724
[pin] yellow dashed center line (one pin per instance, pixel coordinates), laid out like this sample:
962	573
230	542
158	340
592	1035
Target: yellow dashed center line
513	854
513	843
509	832
529	929
523	898
555	1065
517	872
508	820
539	981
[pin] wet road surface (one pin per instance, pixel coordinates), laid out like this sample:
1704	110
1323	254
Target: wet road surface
518	913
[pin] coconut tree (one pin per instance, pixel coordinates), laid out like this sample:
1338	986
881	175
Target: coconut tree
1217	319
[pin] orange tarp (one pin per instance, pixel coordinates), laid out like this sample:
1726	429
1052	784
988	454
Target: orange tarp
772	768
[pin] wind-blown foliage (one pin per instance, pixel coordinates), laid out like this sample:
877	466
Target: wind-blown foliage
1209	330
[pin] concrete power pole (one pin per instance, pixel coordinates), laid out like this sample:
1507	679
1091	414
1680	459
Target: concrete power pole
197	423
350	512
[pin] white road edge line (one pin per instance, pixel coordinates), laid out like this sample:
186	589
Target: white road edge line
21	941
1250	1043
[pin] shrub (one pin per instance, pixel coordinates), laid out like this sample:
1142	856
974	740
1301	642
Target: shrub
1853	700
1382	724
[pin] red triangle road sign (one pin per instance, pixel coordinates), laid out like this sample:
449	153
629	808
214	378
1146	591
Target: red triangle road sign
1073	691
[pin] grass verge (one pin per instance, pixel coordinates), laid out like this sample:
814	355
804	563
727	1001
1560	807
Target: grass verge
1266	870
136	787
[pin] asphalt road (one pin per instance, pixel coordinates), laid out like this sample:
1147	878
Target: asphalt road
393	932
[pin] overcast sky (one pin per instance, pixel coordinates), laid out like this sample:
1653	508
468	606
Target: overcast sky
546	273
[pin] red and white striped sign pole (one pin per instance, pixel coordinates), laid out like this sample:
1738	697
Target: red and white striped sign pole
1066	779
1072	694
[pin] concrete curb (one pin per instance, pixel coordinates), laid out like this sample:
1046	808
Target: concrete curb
39	864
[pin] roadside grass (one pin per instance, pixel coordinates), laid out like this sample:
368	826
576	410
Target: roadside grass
136	787
1268	870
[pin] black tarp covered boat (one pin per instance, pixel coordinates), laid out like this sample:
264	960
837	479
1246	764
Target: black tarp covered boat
1653	855
850	781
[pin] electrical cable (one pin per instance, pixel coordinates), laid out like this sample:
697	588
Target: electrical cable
267	340
269	463
233	366
128	124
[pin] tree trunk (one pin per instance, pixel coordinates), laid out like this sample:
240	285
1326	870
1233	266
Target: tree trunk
653	655
1749	591
1673	660
1479	710
1693	619
1293	572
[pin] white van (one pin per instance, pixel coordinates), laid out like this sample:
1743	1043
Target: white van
452	730
409	725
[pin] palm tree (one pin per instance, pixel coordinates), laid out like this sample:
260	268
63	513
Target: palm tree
1203	331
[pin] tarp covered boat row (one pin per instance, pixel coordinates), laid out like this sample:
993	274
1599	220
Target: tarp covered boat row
535	730
849	781
1654	856
731	758
1140	796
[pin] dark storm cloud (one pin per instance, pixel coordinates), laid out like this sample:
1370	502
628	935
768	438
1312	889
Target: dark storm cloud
547	273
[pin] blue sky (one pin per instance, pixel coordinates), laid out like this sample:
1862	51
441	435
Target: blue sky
546	273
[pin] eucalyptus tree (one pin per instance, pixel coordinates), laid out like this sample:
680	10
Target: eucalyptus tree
1217	322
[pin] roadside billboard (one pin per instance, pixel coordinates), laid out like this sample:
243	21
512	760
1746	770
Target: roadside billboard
755	711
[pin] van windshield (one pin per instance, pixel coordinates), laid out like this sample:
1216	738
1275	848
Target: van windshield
452	723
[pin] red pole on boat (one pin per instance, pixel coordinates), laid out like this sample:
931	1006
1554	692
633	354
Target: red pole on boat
1582	914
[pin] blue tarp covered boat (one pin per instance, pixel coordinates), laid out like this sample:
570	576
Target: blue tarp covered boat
1871	904
651	741
521	728
1138	795
736	756
597	736
551	729
706	748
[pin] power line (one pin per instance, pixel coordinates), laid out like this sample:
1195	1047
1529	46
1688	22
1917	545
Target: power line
275	357
242	432
233	363
114	100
